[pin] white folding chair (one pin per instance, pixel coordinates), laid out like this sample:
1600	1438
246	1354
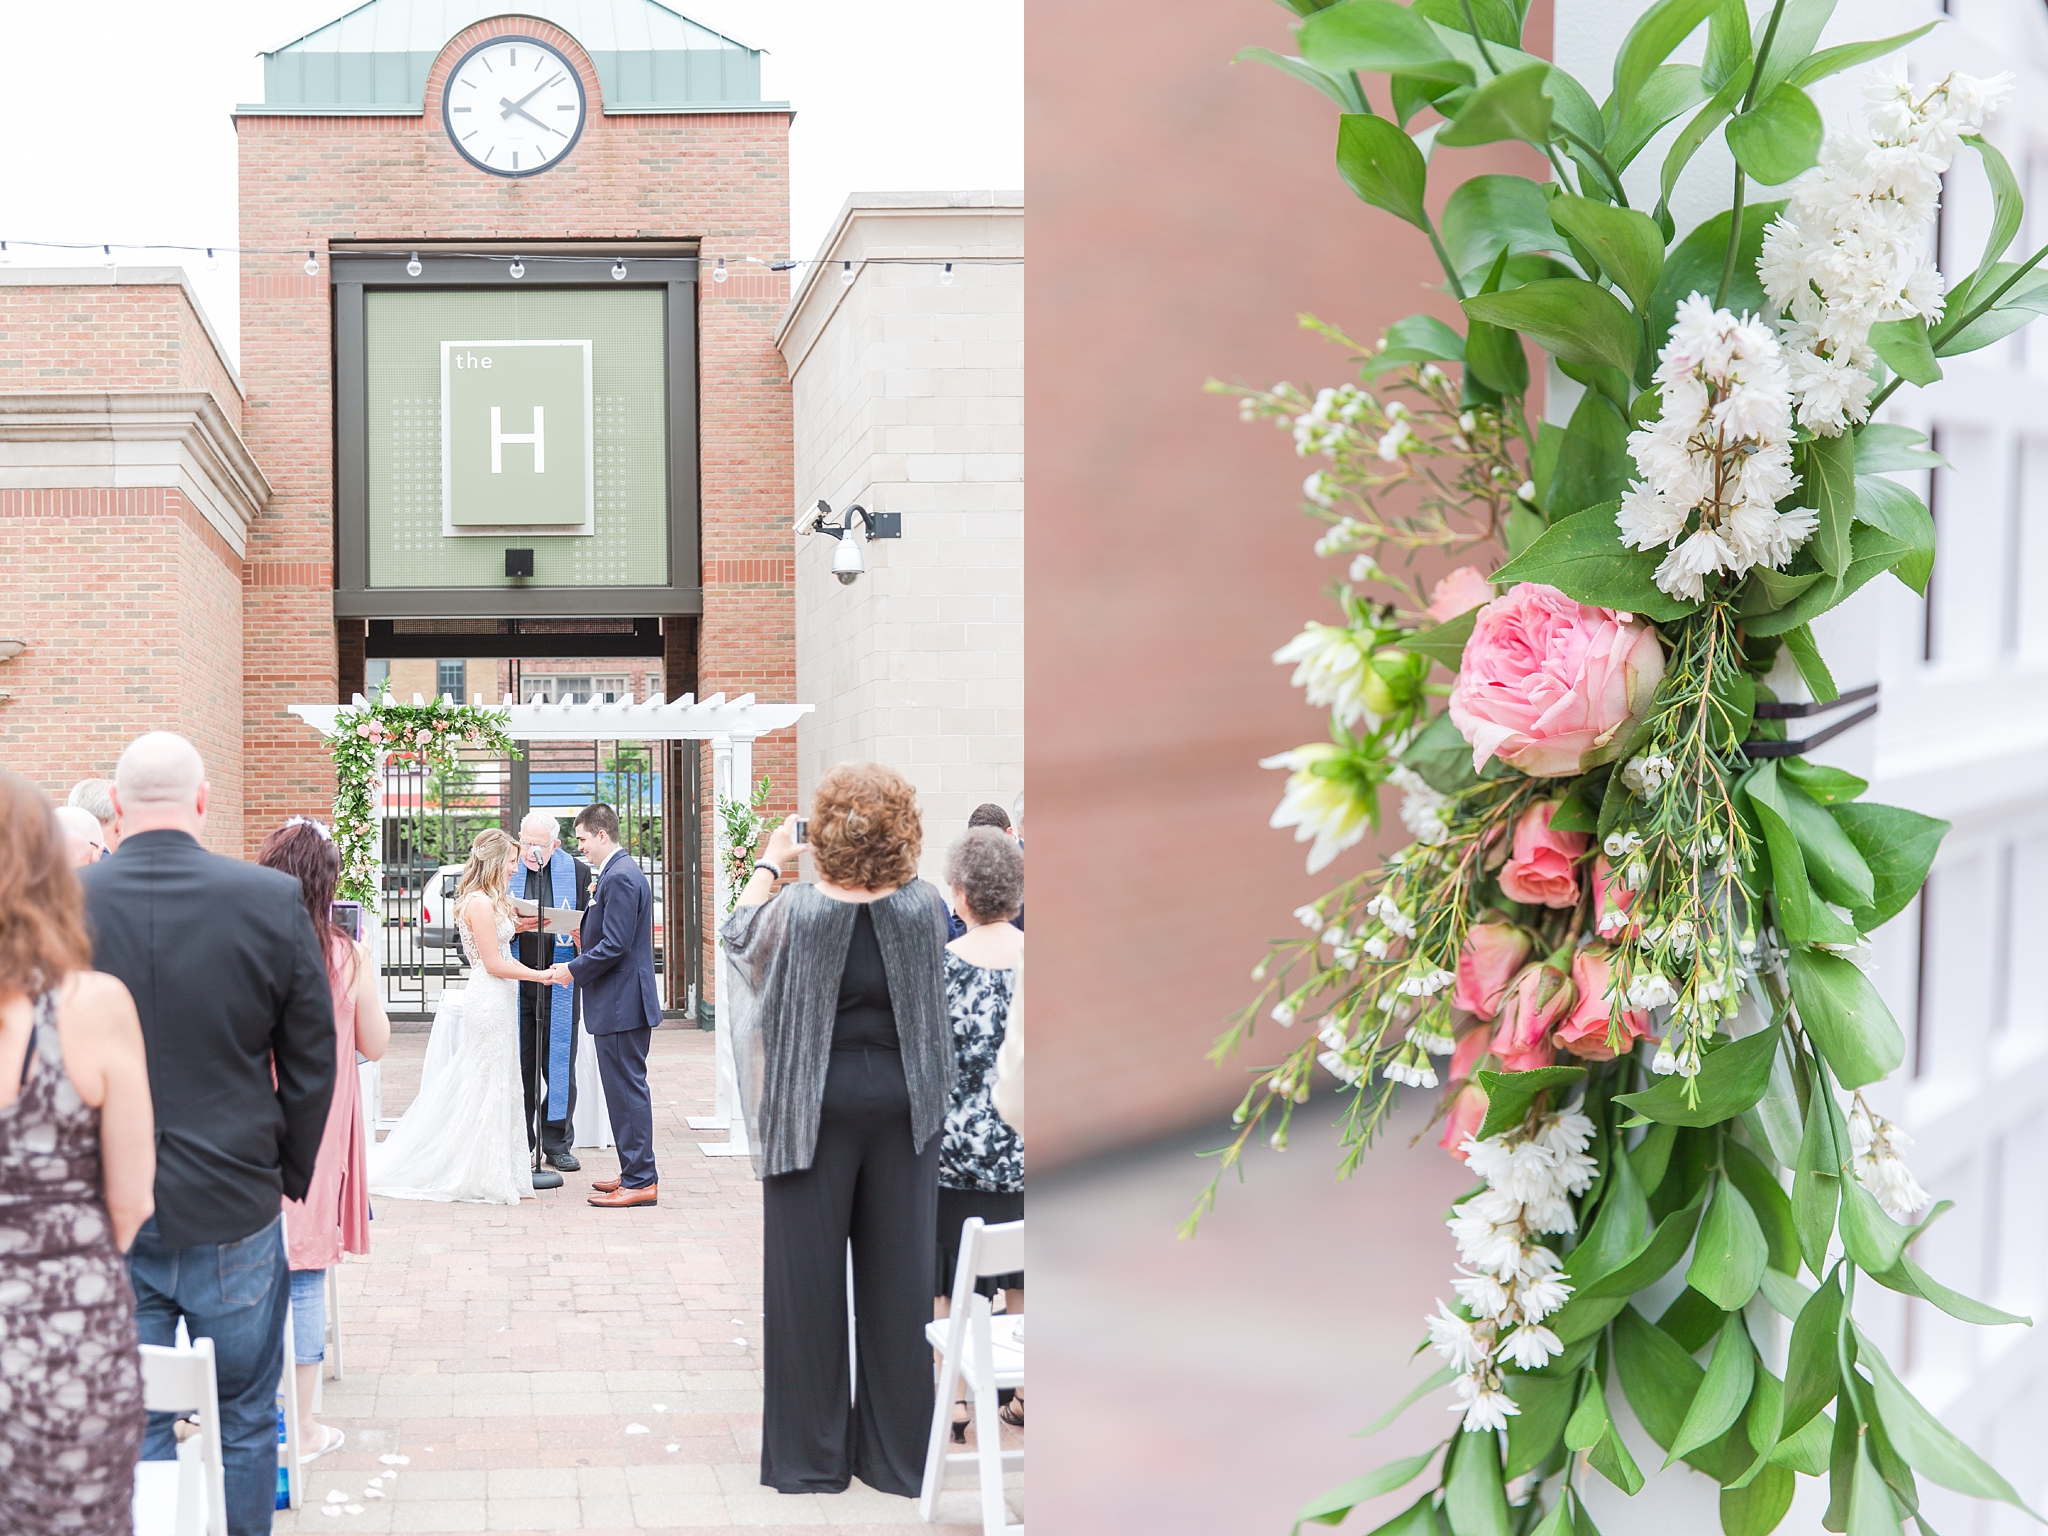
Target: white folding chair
333	1335
987	1354
288	1390
188	1496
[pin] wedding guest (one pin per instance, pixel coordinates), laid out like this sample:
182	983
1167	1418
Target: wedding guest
839	997
83	842
335	1215
981	1157
77	1155
238	1018
96	798
989	814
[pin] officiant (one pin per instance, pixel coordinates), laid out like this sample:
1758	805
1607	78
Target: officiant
549	1016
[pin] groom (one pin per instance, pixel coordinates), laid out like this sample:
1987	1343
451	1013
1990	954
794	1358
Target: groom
615	973
549	875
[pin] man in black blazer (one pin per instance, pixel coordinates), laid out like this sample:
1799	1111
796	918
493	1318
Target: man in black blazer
615	970
229	979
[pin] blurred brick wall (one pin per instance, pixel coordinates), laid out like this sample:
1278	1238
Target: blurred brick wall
1183	210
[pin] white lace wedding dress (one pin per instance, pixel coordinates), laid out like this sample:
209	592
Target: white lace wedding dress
464	1138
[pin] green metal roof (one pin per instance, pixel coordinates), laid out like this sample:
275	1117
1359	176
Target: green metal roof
375	58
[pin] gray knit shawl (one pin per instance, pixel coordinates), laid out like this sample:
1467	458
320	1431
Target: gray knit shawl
781	979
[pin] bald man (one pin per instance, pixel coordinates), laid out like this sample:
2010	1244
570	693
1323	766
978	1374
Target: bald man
230	980
83	844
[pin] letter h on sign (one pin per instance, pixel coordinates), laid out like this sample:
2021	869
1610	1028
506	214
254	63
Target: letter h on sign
500	437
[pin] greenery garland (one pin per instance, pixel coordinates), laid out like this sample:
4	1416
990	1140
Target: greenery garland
1630	921
434	735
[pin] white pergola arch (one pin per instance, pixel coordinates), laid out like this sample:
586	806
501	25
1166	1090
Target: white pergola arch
731	725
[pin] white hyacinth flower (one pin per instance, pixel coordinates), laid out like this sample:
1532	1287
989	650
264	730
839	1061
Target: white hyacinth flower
1332	663
1453	1337
1880	1167
1486	1408
1332	809
1530	1346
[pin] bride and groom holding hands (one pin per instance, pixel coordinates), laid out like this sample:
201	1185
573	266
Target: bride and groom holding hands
465	1136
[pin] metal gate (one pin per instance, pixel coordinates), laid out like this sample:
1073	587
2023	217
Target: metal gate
430	820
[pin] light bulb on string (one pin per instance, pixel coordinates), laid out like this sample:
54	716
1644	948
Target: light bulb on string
412	266
212	261
618	271
846	274
106	255
946	277
4	258
718	273
517	269
312	265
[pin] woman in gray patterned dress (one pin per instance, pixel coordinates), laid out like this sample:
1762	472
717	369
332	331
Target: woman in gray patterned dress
981	1159
77	1166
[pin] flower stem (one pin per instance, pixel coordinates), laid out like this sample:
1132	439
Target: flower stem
1952	327
1473	26
1756	72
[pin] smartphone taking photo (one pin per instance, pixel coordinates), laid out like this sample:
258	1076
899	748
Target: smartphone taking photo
803	830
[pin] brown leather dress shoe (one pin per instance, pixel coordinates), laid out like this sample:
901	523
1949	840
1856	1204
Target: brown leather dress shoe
618	1199
604	1186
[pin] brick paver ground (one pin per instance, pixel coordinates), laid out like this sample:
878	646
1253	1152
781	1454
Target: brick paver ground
563	1368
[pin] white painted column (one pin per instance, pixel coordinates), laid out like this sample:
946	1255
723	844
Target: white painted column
732	765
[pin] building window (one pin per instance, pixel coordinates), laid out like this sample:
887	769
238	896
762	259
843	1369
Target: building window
376	676
606	690
453	679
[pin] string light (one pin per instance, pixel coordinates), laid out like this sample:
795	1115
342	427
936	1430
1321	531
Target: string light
412	267
517	269
718	273
846	274
618	271
3	253
946	277
107	254
212	261
312	265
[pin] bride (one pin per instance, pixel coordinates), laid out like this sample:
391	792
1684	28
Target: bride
464	1137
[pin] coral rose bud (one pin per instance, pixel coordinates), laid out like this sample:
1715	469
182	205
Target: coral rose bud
1543	868
1549	686
1536	999
1470	1052
1585	1031
1460	592
1468	1113
1493	952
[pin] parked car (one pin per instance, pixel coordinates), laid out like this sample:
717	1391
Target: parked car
437	909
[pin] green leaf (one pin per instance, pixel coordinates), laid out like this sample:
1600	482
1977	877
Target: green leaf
1649	43
1806	1449
1871	1510
1778	137
1833	864
1509	1095
1343	90
1474	1499
1416	339
1378	36
1332	1507
1767	1202
1696	133
1812	1375
1899	846
1731	1372
1411	95
1872	552
1694	266
1799	28
1418	1519
1872	1238
1845	1018
1441	756
1909	1279
1816	1184
1888	505
1509	106
1490	214
1904	346
1813	671
1692	1320
1546	1402
1652	1155
1441	1378
1521	527
1758	1507
1785	1294
1926	1442
1728	1258
1728	46
1801	915
1659	1378
1579	321
1557	1520
1831	491
1582	556
1665	1248
1493	354
1731	1079
1828	785
1671	90
1628	245
1619	1232
1767	590
1379	162
1499	22
1445	643
2011	313
1882	447
1592	1430
2008	206
1832	61
1594	465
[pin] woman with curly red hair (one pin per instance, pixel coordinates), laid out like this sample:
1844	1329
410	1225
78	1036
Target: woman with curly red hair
77	1178
845	1056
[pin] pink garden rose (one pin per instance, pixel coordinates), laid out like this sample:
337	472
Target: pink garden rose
1542	870
1460	592
1547	684
1468	1113
1611	902
1537	998
1584	1032
1493	952
1470	1052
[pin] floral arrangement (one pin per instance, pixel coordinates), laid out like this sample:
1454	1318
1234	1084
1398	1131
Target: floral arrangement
744	822
1625	943
433	735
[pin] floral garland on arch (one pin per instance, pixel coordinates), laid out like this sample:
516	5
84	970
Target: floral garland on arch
1626	948
434	735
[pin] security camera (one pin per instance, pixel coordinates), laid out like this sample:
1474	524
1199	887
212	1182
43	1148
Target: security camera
847	561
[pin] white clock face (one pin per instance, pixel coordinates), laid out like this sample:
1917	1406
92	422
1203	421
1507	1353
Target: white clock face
513	106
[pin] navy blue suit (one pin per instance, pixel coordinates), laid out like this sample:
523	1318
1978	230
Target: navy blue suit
615	972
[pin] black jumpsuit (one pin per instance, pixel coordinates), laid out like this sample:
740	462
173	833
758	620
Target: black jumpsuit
865	1185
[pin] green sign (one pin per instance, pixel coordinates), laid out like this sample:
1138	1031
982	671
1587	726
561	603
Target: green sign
590	499
516	429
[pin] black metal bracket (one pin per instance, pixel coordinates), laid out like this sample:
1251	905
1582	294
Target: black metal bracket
1769	711
880	525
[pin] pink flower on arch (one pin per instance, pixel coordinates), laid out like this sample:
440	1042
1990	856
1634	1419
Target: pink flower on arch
1547	684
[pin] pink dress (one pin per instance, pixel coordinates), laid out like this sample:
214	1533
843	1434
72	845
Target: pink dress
335	1215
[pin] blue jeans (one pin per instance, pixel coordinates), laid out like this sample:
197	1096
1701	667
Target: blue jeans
235	1294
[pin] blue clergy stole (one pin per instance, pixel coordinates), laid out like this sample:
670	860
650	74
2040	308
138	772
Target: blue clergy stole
561	1000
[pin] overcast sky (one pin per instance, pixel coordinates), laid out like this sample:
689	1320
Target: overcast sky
119	112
